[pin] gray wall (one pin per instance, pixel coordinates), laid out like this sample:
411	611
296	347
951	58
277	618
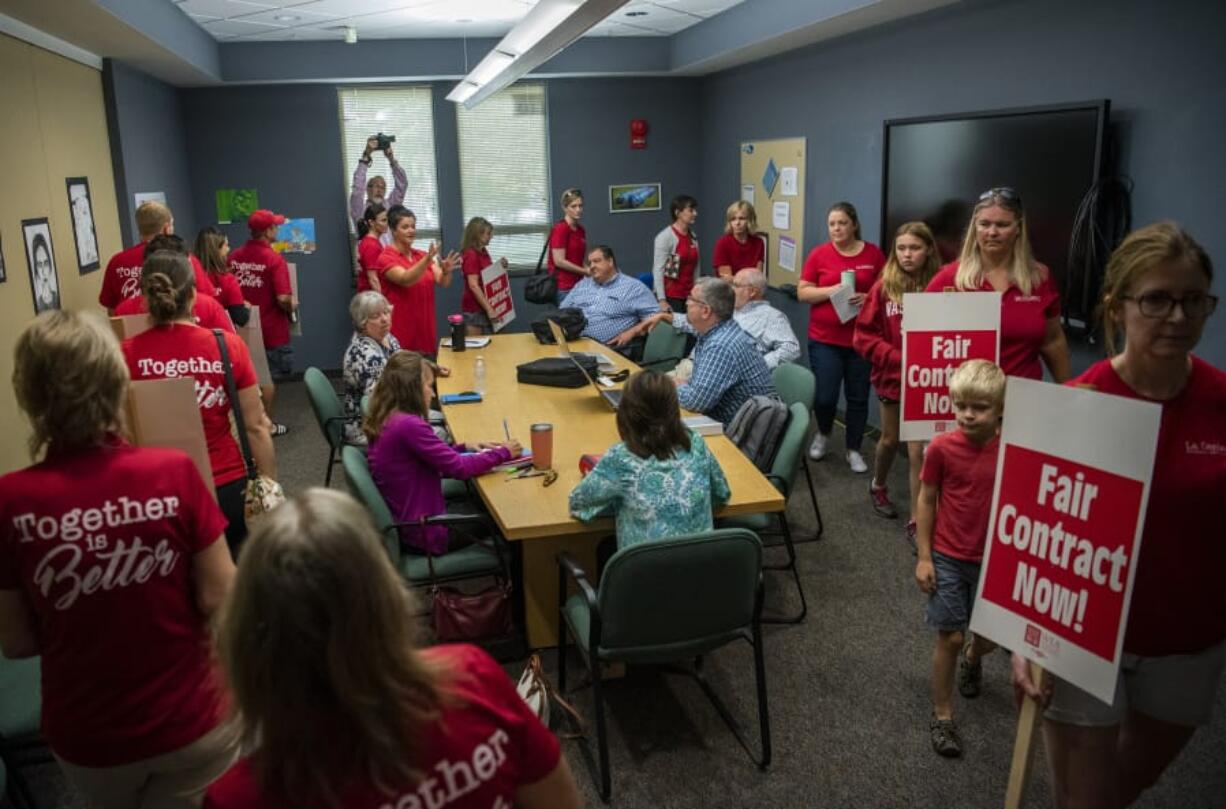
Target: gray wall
1161	65
285	141
148	146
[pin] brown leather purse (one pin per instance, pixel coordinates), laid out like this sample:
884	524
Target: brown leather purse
460	616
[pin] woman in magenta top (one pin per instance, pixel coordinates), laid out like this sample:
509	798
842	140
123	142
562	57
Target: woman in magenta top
831	356
408	461
475	257
996	256
408	276
675	255
740	246
340	705
112	563
371	229
568	244
1157	293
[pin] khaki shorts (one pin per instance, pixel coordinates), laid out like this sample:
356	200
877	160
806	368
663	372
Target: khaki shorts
1179	689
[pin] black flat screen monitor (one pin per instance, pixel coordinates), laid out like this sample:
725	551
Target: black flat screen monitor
936	168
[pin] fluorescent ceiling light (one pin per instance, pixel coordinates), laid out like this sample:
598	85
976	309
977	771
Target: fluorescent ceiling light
546	30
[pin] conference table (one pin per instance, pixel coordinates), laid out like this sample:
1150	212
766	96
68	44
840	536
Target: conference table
536	515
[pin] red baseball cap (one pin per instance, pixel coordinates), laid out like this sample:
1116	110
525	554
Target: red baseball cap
263	219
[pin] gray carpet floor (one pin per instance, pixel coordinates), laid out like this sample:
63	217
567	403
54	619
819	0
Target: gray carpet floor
848	688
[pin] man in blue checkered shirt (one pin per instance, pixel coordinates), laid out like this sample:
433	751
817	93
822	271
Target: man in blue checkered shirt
728	368
618	308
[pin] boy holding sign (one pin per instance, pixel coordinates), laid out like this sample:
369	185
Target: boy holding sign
959	469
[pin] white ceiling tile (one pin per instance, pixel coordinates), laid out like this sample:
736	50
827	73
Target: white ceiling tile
305	33
237	28
655	18
273	16
353	8
225	8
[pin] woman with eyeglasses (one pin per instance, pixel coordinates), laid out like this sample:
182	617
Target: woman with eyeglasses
1157	296
996	256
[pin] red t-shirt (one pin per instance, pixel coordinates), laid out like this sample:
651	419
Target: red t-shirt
1178	602
121	280
263	275
369	249
228	291
178	350
574	242
1023	319
687	266
101	544
965	473
824	268
412	306
207	312
472	263
878	338
476	755
731	253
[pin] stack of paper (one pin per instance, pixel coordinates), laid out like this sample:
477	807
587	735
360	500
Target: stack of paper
703	425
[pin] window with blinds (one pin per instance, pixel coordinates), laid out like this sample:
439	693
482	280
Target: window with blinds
504	170
408	113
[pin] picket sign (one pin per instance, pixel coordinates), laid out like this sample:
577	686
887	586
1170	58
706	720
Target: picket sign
941	330
1068	507
1023	743
163	413
497	287
126	326
295	328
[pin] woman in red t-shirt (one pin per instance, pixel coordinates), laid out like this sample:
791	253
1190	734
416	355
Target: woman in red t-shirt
475	257
212	247
568	244
408	276
384	723
1157	293
176	347
831	356
370	246
674	265
878	338
740	246
996	256
111	567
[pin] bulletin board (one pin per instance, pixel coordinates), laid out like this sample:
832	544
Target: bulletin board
773	181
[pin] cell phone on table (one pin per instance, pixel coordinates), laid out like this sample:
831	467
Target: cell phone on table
463	397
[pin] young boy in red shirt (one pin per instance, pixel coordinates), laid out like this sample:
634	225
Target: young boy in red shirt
955	499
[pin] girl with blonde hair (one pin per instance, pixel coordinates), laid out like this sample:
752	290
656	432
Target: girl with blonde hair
739	247
568	244
878	338
112	565
996	256
341	706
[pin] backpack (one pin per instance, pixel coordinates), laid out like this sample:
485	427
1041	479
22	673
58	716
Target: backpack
571	319
757	429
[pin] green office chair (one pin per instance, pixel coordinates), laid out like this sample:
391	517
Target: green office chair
20	708
664	348
796	383
474	561
663	602
782	475
328	414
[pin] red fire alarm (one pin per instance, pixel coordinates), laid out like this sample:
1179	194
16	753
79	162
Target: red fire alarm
638	134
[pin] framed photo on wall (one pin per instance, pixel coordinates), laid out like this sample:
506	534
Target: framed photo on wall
82	210
629	197
40	258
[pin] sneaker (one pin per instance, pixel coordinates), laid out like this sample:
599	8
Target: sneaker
856	461
970	675
817	450
945	740
912	530
279	430
881	501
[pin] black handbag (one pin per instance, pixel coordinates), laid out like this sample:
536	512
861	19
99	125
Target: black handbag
557	372
542	286
571	319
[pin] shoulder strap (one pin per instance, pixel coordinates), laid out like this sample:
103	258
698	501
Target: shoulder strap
232	392
540	262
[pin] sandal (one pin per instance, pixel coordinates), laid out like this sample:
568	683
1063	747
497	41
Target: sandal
945	739
279	430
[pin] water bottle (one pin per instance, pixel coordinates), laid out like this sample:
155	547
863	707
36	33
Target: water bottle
479	375
458	331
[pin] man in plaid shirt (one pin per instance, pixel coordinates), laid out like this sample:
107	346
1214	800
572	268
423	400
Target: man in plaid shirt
618	308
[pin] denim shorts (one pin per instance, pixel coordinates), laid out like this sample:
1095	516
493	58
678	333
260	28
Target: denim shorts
1179	689
280	362
949	608
479	320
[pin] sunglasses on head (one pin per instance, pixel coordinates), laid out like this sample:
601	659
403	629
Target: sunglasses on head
1004	192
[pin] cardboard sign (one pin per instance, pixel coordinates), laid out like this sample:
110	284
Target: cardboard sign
295	326
163	413
1065	531
497	288
126	326
253	336
941	330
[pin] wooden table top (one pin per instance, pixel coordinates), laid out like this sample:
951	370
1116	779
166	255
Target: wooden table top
582	424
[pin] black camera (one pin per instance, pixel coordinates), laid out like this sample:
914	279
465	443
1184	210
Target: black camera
384	141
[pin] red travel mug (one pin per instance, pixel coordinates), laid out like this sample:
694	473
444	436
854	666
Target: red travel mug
542	446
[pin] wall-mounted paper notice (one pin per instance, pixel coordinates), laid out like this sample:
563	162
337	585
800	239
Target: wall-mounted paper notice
142	197
788	177
747	193
787	253
781	216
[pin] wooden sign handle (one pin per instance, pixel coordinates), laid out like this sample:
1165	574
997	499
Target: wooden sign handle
1023	744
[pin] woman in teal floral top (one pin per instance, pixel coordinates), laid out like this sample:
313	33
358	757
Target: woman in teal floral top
661	481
